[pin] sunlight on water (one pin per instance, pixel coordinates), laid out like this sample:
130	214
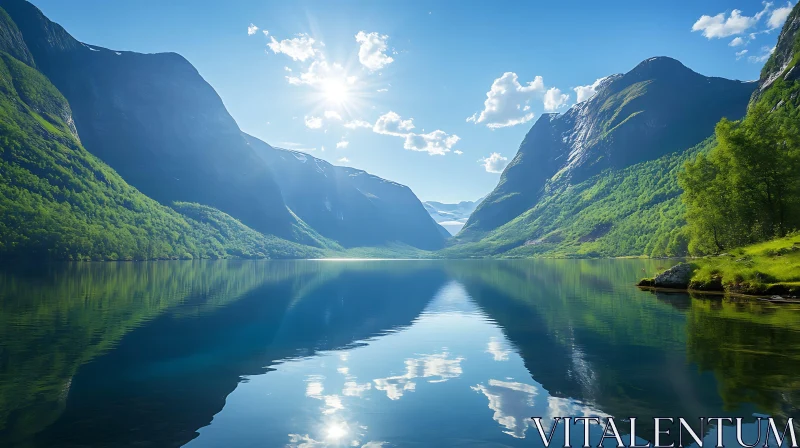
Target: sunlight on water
372	354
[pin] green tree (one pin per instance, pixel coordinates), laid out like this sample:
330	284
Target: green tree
746	190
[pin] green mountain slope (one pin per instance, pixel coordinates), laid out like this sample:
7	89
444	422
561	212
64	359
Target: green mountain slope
629	212
601	179
58	201
157	122
348	205
633	118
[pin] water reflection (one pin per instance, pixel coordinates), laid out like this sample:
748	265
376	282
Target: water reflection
255	353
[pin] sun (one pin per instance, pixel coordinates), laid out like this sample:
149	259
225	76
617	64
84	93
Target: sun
335	431
335	91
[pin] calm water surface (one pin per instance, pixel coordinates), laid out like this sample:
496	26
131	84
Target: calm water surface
371	354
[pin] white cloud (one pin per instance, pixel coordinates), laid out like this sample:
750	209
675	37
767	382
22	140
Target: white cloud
332	115
344	160
251	29
390	123
778	16
458	152
507	102
583	93
720	25
313	122
266	33
342	144
319	73
739	54
353	389
512	403
287	69
434	143
298	48
498	349
438	367
382	90
437	142
495	163
736	42
357	124
554	99
765	54
371	50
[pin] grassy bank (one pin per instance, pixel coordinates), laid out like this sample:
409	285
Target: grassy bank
772	267
768	268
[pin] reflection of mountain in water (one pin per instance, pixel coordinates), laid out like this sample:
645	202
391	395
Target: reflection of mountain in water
585	334
166	380
147	353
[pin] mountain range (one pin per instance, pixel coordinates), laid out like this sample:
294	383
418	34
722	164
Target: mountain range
164	133
118	155
601	178
451	216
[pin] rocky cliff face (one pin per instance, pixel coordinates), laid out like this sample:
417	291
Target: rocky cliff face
348	205
657	108
778	85
156	121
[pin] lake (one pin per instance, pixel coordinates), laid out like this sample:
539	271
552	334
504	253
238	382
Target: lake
374	353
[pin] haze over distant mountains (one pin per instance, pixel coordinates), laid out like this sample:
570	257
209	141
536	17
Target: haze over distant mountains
451	216
119	155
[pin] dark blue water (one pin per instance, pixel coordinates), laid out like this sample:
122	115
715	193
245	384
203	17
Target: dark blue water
374	353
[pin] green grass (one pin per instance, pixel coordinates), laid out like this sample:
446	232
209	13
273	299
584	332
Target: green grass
771	267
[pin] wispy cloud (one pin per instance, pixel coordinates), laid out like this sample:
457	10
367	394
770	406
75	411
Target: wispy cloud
495	163
723	25
507	102
299	48
313	122
437	142
554	99
583	93
251	29
372	50
778	16
765	54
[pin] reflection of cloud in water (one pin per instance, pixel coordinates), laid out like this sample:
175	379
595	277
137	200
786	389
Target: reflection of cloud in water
314	386
564	407
353	389
335	433
333	403
314	389
511	403
498	349
436	367
305	441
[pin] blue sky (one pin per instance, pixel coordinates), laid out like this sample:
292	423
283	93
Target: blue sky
405	77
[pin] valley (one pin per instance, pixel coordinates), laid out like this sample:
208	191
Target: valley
99	167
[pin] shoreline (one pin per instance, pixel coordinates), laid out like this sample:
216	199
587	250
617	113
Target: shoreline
699	292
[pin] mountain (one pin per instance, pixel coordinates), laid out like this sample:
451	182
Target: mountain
779	83
601	178
451	216
657	108
349	205
58	201
158	123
